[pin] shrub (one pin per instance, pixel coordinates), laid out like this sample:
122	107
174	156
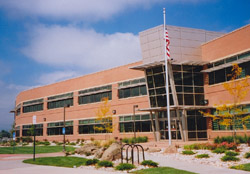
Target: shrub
78	141
105	163
188	152
27	139
135	140
231	153
202	156
59	143
149	163
229	158
219	150
72	144
125	166
97	143
91	162
247	155
87	153
46	143
92	138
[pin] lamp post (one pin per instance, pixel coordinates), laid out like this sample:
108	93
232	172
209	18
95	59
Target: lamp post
64	131
135	106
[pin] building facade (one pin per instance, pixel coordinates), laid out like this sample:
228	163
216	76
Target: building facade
136	92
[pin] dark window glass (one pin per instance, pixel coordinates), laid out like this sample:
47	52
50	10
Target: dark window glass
191	123
160	91
150	82
151	92
220	76
143	90
161	101
199	90
187	79
60	103
197	68
188	89
178	88
159	80
177	78
152	101
135	91
199	98
146	126
189	99
149	71
33	108
157	69
176	67
198	79
211	78
201	123
180	99
187	68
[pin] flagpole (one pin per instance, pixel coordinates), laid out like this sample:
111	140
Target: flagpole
166	75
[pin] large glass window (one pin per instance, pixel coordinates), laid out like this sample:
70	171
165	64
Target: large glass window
56	128
142	123
32	106
132	88
222	75
90	126
188	82
94	95
60	101
27	130
197	125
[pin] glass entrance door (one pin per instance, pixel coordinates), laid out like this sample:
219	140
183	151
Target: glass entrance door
175	131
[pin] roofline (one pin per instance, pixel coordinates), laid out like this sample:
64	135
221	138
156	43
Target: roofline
226	34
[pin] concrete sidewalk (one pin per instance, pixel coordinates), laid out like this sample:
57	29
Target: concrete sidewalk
192	167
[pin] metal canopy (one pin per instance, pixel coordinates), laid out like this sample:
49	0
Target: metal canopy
175	107
226	65
175	62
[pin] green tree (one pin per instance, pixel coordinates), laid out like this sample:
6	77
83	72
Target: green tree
231	113
4	133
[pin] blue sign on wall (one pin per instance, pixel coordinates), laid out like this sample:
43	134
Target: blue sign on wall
63	130
14	136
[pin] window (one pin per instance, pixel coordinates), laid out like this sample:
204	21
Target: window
132	88
32	106
17	129
89	126
60	101
222	75
56	128
188	81
142	123
94	95
27	130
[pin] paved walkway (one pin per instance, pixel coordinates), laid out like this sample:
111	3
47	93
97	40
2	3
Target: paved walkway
12	164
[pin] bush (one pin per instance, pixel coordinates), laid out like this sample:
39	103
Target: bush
188	152
72	144
125	166
27	139
135	140
247	155
230	139
227	146
219	150
149	163
59	143
229	158
91	162
202	156
231	153
105	163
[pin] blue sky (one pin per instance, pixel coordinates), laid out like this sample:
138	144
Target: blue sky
45	41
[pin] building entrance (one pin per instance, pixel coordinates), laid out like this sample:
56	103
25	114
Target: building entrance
175	130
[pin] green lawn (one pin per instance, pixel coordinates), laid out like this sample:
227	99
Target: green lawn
161	170
29	149
61	161
245	167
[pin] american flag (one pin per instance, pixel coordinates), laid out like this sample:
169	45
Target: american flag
167	44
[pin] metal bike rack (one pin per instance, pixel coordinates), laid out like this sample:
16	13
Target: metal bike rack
132	146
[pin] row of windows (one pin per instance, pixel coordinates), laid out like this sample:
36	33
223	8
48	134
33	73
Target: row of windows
60	103
222	75
93	98
32	108
132	91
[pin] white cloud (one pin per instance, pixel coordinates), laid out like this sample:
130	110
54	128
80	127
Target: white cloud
56	76
69	46
90	10
72	9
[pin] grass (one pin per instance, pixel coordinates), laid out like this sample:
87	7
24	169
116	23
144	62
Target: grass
202	156
61	161
29	149
161	170
245	167
188	152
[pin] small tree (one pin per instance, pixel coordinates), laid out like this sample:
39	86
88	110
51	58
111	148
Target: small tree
104	117
231	114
